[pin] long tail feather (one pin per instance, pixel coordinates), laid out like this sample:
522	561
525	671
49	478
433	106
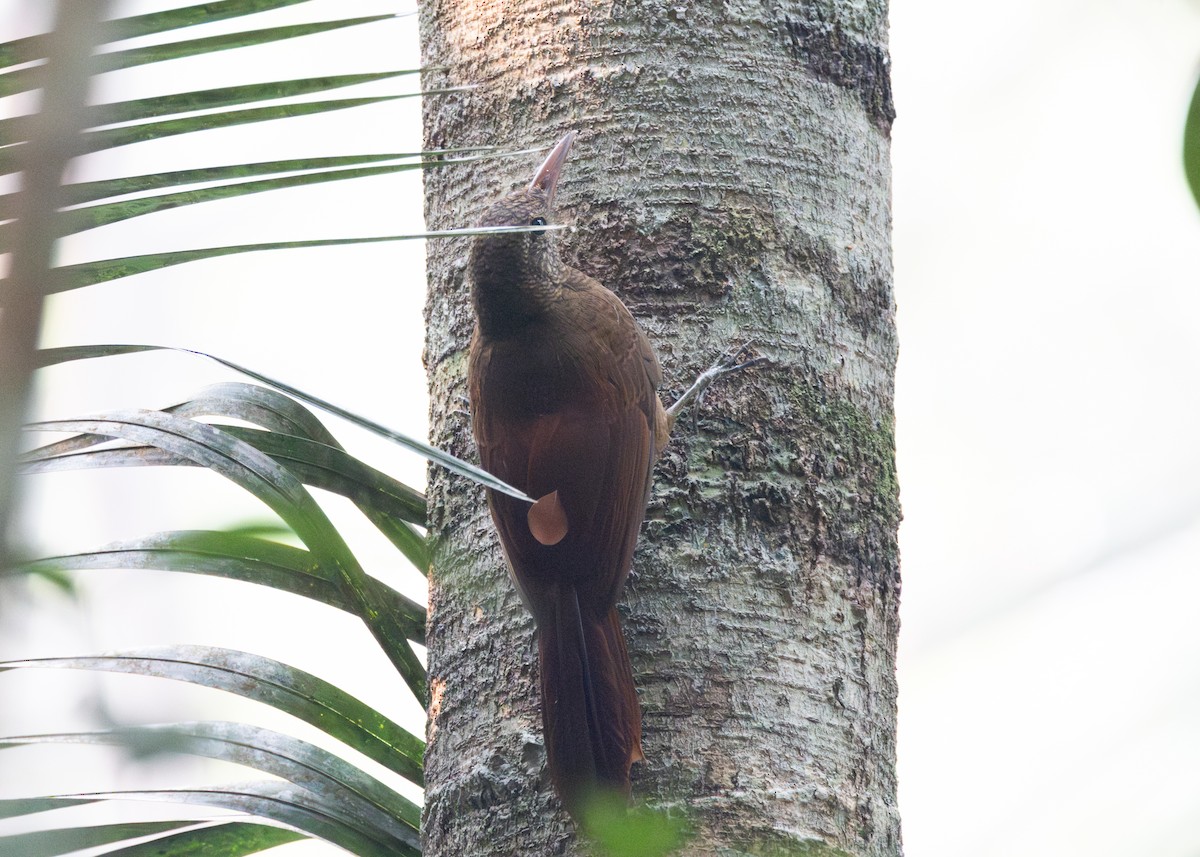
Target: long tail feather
590	711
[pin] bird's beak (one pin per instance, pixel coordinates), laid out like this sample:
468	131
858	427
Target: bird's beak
546	178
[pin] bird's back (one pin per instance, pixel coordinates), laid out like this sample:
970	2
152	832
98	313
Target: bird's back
569	404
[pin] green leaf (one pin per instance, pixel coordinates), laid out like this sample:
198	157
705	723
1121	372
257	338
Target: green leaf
187	16
263	406
232	839
263	528
33	48
247	38
381	498
333	470
64	584
53	356
18	51
315	464
403	535
110	138
96	139
284	494
359	799
25	79
92	191
293	691
640	832
15	807
212	552
51	843
76	220
85	192
279	413
91	273
281	802
1191	144
231	556
229	96
259	405
21	80
67	353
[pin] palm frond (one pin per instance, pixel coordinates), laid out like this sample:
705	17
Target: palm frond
226	839
188	16
281	802
195	47
53	356
85	192
51	843
286	688
232	556
357	798
280	451
1191	144
283	493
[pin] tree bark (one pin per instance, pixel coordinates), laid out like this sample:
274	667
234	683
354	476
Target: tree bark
731	183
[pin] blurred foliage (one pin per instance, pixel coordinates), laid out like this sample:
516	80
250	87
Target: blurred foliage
258	436
1191	144
618	831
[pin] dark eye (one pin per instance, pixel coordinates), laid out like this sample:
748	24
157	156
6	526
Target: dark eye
538	221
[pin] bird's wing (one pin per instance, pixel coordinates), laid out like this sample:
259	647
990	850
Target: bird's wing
594	448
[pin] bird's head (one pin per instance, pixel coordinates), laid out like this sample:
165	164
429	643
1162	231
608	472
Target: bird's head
516	267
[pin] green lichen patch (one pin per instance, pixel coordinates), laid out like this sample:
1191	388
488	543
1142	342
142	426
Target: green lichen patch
798	467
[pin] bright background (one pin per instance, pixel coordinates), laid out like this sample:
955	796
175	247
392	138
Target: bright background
1046	255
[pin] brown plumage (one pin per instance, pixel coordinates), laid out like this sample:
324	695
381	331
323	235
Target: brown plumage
564	404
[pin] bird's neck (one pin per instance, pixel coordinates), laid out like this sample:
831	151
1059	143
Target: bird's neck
508	293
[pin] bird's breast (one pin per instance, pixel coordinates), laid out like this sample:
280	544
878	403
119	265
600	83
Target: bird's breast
538	372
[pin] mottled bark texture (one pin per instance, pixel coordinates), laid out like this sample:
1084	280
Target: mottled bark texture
731	183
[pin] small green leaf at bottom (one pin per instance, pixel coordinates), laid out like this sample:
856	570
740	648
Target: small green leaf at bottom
619	831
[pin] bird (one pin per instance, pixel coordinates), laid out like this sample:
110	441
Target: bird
563	390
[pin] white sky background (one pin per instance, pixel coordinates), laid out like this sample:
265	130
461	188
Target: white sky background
1046	276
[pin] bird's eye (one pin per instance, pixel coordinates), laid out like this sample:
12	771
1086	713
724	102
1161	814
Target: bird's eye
538	221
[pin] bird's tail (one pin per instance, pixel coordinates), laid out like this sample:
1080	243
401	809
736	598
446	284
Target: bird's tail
590	712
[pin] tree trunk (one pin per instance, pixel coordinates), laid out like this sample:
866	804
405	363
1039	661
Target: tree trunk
731	183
